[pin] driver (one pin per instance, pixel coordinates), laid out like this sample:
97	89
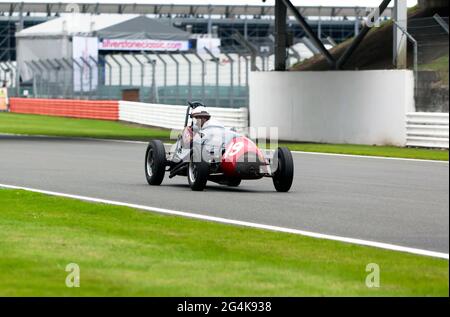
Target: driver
201	117
201	120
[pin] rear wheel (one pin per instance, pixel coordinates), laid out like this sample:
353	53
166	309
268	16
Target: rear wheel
155	162
284	173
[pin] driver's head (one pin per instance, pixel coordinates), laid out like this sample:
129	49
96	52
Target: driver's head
200	115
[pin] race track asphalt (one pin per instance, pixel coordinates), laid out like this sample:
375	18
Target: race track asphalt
393	201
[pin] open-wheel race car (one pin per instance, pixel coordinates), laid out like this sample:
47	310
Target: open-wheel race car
208	151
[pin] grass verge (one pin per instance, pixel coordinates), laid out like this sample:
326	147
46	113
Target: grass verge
72	127
439	65
371	150
69	127
125	252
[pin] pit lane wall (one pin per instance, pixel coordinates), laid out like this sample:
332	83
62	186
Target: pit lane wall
360	107
157	115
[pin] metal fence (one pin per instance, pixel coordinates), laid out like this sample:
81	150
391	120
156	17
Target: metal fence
219	80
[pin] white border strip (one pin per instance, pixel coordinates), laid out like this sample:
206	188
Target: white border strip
242	223
371	157
295	152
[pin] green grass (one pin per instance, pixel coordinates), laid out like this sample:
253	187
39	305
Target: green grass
69	127
370	150
439	65
126	252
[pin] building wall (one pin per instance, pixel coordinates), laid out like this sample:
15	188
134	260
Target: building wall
360	107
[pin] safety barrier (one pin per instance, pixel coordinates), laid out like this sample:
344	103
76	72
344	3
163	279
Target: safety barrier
427	129
158	115
172	117
90	109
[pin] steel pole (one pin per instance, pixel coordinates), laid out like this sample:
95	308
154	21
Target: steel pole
216	60
90	74
177	65
131	68
72	76
189	75
120	69
203	74
231	93
308	30
81	75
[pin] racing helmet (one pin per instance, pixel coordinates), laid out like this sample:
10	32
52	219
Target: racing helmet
200	112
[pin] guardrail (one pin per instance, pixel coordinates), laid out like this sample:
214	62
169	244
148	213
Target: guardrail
164	116
427	129
172	117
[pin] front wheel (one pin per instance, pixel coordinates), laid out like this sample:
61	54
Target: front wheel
155	162
198	175
284	172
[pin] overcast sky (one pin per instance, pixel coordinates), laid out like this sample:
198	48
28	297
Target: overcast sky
361	3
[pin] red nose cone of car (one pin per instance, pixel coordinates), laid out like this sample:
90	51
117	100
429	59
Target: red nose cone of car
241	151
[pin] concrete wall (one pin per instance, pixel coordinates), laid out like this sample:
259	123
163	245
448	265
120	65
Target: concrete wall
360	107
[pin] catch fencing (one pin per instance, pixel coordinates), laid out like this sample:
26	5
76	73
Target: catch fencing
219	80
425	129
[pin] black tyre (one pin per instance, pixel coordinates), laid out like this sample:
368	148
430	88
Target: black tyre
284	173
155	162
198	170
234	182
198	175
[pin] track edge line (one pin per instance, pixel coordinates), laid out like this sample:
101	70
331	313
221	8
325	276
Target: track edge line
380	245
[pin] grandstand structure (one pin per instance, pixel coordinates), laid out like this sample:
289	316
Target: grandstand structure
254	22
227	11
247	36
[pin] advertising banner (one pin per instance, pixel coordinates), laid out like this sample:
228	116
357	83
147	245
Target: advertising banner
85	74
143	45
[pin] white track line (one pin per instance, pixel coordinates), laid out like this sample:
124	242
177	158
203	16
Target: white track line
381	245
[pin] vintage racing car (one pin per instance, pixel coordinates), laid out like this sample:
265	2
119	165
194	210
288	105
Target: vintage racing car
217	154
